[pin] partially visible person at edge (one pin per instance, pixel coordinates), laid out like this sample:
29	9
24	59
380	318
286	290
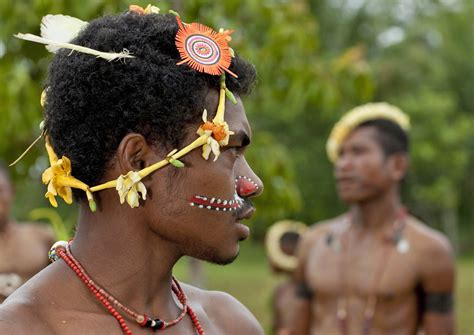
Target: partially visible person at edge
375	269
281	243
112	127
23	246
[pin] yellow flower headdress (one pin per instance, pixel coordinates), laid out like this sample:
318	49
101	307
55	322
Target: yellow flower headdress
212	134
275	254
359	115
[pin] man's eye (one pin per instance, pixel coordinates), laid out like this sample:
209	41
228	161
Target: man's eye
358	150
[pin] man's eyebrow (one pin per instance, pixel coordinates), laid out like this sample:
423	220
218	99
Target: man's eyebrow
241	138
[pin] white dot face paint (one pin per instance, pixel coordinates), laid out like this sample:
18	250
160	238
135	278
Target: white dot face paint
242	184
216	204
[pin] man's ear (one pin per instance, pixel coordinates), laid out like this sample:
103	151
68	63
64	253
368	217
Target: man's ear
134	153
399	165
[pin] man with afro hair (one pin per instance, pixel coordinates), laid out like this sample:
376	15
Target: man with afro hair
119	118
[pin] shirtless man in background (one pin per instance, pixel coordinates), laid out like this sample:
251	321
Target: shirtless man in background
375	269
281	242
23	247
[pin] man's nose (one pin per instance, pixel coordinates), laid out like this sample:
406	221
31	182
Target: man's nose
344	163
246	187
247	183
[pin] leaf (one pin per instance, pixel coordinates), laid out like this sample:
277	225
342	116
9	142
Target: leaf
92	205
230	96
176	163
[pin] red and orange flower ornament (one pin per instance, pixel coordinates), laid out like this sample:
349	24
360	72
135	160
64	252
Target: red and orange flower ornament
204	49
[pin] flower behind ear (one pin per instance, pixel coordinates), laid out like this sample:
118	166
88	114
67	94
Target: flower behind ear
129	188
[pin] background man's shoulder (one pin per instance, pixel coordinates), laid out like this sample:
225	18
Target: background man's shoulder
429	241
319	229
217	306
434	257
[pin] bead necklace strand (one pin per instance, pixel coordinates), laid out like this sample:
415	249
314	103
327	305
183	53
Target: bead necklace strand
109	301
142	320
369	311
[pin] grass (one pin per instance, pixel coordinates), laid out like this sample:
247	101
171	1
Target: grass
250	280
465	296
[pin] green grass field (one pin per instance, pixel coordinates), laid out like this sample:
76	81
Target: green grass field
250	280
465	296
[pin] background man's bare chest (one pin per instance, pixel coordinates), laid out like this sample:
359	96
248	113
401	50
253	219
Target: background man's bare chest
332	269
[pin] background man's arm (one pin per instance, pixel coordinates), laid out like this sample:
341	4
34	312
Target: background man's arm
301	315
437	281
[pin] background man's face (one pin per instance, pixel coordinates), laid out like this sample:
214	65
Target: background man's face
361	170
6	195
199	231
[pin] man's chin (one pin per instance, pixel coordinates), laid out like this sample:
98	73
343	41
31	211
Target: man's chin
221	259
351	199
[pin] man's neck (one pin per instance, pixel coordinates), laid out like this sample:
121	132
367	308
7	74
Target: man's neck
127	259
378	212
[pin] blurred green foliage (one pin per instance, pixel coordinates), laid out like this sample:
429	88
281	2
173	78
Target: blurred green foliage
421	54
316	59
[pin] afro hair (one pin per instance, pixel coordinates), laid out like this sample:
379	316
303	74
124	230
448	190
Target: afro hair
92	104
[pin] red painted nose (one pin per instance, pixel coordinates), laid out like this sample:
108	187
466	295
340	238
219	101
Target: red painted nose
245	186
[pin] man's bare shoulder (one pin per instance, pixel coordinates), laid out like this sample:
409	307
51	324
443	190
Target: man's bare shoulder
429	245
224	312
29	308
318	230
428	241
19	316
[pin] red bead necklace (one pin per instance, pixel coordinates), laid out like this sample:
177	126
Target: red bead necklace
109	302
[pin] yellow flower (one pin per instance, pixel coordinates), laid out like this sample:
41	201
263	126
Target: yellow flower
129	186
59	179
43	99
152	10
148	10
219	136
226	32
54	177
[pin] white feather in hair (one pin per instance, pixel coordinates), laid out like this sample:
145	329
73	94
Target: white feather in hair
110	56
60	28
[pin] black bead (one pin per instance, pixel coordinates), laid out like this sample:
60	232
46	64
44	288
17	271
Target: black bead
158	324
148	322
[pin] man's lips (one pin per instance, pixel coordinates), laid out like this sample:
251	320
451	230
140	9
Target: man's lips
245	212
213	203
242	208
346	179
216	204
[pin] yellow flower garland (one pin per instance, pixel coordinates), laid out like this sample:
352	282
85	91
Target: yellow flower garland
129	187
212	135
359	115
